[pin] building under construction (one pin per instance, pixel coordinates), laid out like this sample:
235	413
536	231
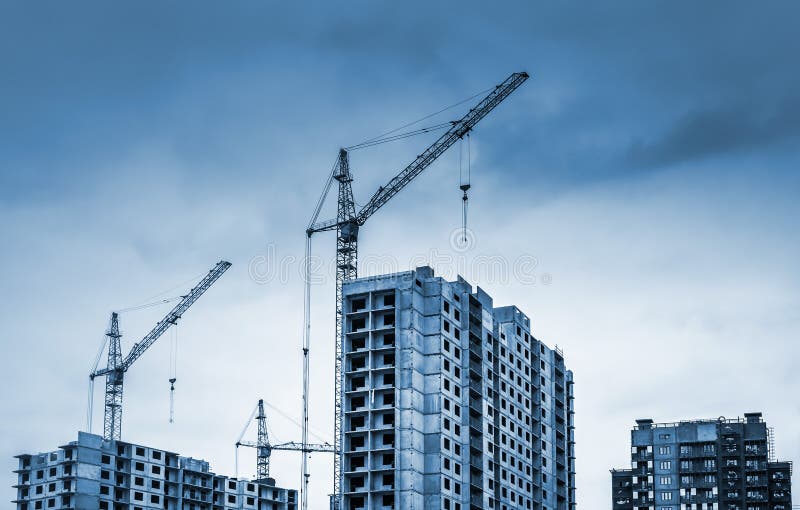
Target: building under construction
449	402
95	473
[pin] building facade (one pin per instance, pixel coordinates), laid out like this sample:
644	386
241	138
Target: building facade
450	403
723	464
92	473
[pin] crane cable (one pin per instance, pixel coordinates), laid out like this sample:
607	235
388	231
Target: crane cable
173	369
385	136
464	186
393	138
90	403
148	305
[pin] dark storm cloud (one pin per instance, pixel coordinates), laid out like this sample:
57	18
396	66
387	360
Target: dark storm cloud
721	131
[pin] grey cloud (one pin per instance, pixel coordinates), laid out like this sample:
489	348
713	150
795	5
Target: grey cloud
719	131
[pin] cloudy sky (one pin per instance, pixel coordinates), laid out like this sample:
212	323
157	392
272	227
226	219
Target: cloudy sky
648	167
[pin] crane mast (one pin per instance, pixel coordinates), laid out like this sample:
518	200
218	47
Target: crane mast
116	368
347	223
262	458
112	418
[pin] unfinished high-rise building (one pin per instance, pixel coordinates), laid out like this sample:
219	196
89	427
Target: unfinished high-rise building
93	473
450	403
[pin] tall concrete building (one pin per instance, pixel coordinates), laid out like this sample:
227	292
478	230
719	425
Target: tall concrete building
450	403
92	473
722	464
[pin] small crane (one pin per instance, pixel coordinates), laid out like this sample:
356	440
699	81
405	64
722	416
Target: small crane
116	368
347	223
264	449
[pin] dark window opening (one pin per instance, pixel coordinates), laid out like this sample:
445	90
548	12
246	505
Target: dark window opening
356	422
356	403
358	323
358	304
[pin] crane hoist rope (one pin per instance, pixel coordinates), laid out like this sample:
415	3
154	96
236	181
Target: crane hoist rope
173	371
464	185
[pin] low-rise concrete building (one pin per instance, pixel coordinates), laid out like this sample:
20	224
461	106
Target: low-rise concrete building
92	473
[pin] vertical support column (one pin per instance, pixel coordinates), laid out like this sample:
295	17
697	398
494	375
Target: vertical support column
475	398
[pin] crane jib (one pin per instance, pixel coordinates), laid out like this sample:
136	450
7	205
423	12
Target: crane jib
455	133
176	313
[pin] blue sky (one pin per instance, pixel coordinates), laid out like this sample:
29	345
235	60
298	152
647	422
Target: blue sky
649	165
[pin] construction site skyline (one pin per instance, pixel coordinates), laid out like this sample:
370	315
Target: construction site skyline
635	197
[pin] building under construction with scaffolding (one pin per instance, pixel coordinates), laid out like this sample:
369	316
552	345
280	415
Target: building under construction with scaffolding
449	402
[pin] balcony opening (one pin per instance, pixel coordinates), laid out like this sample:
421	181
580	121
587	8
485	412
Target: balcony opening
356	442
357	462
357	383
358	304
358	323
356	403
357	482
356	422
358	363
357	344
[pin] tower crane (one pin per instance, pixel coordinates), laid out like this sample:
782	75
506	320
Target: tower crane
264	448
347	223
117	366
